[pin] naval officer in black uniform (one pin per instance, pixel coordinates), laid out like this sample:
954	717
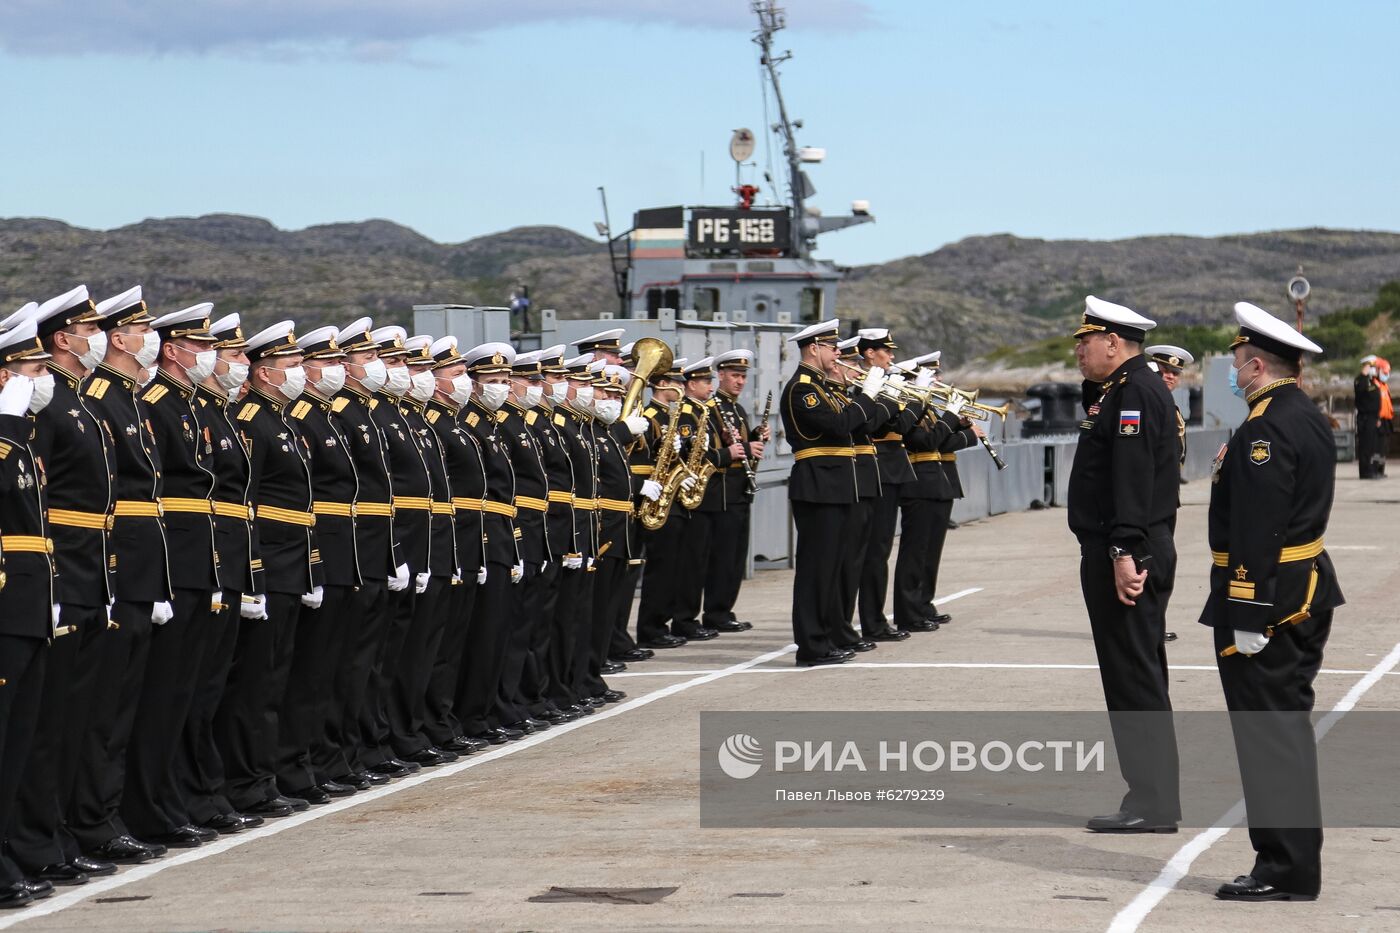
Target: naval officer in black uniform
1272	593
738	482
1122	508
822	487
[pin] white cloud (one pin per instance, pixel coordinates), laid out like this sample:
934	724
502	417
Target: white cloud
369	30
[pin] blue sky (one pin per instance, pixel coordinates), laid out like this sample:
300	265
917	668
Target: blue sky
464	117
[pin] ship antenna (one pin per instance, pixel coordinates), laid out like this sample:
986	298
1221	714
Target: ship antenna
771	19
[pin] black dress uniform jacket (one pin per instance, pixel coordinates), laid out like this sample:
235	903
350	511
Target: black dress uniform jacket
818	428
281	494
442	553
692	414
80	463
560	525
531	481
500	484
867	464
138	554
187	487
731	414
891	458
1270	498
466	477
615	490
232	504
374	522
577	436
924	445
1126	474
27	595
408	478
335	488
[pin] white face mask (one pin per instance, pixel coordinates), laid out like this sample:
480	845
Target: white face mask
203	366
295	383
423	385
583	398
493	396
608	409
461	389
332	380
43	393
559	392
145	376
376	374
232	380
150	349
398	382
533	394
96	350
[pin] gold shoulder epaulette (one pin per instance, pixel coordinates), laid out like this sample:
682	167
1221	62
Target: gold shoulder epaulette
373	404
96	388
686	408
433	415
651	411
530	416
804	378
155	393
339	404
473	418
1258	410
300	410
559	419
248	410
501	416
5	448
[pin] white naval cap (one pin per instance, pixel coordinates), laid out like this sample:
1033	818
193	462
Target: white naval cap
490	358
390	339
578	365
21	343
700	369
418	347
72	307
734	359
278	340
876	338
25	312
190	323
612	376
825	331
627	349
320	343
849	345
1106	317
913	363
526	364
1261	329
1164	354
1368	358
357	335
552	359
444	352
603	340
125	308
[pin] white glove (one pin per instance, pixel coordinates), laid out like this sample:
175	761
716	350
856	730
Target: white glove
924	379
590	563
636	424
651	489
481	576
420	582
955	405
253	607
162	613
895	380
688	483
57	611
216	601
573	562
313	599
1248	643
676	443
517	573
14	398
457	577
399	581
874	381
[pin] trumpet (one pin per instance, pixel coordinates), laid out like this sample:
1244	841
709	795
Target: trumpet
940	394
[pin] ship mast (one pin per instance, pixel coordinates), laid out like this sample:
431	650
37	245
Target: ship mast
770	20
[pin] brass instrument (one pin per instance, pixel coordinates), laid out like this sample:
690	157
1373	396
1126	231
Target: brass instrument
668	473
696	464
653	356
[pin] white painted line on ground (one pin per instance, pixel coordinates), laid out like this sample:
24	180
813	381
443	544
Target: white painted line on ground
1131	916
224	843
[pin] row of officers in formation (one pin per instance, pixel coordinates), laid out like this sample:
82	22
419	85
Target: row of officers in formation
243	575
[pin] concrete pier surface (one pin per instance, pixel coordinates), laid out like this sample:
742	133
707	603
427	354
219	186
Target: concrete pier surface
611	801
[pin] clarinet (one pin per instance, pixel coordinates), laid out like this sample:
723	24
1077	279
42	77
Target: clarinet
731	428
763	436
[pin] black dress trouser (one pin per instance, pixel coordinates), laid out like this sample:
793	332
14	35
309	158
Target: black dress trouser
817	578
854	541
484	655
308	703
408	693
440	722
661	577
875	571
724	571
923	531
368	624
22	663
246	725
199	771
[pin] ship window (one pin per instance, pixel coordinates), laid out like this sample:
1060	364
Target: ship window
760	266
705	302
658	298
724	267
812	305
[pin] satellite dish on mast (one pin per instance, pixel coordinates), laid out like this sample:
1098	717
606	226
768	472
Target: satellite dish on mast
741	145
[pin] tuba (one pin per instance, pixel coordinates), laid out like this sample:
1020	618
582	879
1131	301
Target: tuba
653	356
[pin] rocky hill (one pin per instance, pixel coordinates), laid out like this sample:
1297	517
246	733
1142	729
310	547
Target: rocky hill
968	298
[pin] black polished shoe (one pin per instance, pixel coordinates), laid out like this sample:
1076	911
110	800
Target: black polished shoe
336	789
410	765
375	778
156	849
491	737
38	889
122	850
225	824
391	769
249	820
510	733
539	724
635	654
473	743
888	635
863	645
269	808
433	756
557	717
183	838
835	657
700	634
940	618
94	867
846	653
665	641
922	625
584	709
459	745
613	696
311	796
64	874
204	833
728	625
1249	888
1125	822
613	667
14	895
358	780
1171	636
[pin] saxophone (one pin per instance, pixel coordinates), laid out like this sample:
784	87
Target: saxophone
668	473
696	464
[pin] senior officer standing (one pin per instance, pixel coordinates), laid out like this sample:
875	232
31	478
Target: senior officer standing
822	488
1122	507
1272	593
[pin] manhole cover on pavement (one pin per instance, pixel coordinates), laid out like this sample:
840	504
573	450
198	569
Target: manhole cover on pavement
558	895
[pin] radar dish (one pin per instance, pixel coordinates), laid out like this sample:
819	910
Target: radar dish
741	145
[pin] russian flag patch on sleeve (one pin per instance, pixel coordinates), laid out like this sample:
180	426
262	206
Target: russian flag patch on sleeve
1129	422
